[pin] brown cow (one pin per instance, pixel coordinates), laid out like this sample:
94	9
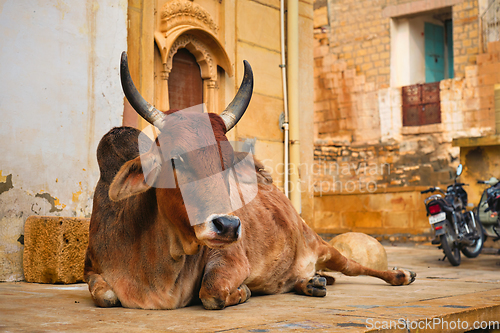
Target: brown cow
157	243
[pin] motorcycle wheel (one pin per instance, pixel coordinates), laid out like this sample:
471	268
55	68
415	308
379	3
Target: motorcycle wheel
450	249
474	250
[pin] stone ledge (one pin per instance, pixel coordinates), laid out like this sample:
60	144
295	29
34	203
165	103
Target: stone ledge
397	238
490	140
54	249
416	7
423	129
379	190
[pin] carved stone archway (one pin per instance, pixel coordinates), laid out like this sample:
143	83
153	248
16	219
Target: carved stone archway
185	24
199	50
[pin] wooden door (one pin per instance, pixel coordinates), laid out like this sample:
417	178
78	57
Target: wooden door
434	52
449	46
185	85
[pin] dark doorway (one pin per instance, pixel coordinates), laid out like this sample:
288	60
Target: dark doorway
185	85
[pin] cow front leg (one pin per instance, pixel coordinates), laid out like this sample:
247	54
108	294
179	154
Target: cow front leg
219	299
315	286
222	283
101	292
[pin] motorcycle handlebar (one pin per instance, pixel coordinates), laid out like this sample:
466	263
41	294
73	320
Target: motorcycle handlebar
492	181
432	189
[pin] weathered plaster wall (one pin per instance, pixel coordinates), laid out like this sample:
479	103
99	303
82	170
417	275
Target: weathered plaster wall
60	93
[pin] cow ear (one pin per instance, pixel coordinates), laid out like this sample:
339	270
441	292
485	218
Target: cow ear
130	179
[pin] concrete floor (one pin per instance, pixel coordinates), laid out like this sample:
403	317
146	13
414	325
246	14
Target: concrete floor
442	295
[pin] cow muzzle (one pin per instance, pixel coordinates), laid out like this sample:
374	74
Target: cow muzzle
227	226
219	231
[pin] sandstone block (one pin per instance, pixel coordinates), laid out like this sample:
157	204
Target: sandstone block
54	249
268	19
362	248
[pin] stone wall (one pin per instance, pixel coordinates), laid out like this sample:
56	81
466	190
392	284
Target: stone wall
359	34
344	110
420	161
422	156
361	147
382	212
353	62
465	35
481	158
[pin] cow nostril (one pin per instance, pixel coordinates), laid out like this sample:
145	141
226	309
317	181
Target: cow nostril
226	226
218	225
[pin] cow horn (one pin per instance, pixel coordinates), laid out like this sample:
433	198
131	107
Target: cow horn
235	110
143	108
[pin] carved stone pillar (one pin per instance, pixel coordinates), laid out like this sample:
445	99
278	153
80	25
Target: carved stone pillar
162	102
210	95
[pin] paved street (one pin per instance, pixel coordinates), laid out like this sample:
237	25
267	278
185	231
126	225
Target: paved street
446	296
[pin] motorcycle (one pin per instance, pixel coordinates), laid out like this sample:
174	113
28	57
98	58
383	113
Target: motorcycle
489	207
455	228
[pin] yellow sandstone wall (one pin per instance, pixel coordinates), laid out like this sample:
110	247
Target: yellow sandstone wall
362	151
258	41
481	160
247	30
383	212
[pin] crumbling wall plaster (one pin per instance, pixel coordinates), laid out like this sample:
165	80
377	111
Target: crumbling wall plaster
60	88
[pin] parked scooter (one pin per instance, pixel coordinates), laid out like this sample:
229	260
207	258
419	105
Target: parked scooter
455	228
489	208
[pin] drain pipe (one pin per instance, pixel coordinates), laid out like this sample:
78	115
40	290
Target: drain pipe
285	98
293	99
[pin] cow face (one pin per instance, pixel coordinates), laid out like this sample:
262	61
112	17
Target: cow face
191	166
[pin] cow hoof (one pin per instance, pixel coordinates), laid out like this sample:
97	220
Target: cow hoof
316	286
110	299
245	293
330	279
105	299
102	294
404	277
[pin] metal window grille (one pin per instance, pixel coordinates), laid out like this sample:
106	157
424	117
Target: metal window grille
491	24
